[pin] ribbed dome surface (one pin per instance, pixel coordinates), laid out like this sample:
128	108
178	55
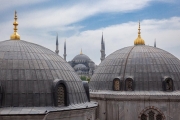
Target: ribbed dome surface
145	64
81	58
27	72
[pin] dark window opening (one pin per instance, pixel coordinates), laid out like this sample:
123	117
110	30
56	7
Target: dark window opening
151	115
169	84
159	117
61	95
116	84
129	84
143	117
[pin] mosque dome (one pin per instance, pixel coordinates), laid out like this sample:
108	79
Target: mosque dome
138	68
29	71
81	58
36	83
147	66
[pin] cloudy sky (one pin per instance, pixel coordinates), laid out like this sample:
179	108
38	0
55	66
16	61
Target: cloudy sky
81	23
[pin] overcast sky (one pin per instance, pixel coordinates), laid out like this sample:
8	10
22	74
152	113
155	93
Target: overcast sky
81	23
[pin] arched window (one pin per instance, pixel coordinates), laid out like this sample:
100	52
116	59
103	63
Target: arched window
151	113
116	84
168	84
61	95
129	84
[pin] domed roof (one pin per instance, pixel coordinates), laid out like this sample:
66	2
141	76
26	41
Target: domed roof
146	65
27	72
80	66
81	58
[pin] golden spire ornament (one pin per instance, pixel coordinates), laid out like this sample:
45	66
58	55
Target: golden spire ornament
15	35
81	52
139	40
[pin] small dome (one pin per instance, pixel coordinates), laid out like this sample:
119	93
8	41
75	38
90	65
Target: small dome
139	41
28	72
147	66
80	66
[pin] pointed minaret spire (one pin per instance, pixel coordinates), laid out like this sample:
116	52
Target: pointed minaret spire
155	43
81	52
65	50
57	45
102	49
15	35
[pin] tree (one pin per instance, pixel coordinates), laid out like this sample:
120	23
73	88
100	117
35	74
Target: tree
83	78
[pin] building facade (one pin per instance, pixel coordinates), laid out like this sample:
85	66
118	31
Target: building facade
137	83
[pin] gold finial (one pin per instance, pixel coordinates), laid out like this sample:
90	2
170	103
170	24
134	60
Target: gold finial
15	35
139	40
81	52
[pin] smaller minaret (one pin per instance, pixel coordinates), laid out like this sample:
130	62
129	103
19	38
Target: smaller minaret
57	45
102	49
155	43
65	50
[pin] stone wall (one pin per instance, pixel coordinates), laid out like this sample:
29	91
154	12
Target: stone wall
122	107
81	114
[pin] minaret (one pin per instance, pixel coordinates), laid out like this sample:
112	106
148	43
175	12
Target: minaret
57	45
139	40
155	43
15	35
65	50
102	49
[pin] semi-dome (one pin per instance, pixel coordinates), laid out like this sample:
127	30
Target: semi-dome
29	73
80	66
146	66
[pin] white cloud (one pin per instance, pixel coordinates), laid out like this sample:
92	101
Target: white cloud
7	4
65	15
165	31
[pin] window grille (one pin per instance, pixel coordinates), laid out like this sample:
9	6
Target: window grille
61	95
129	84
117	84
151	115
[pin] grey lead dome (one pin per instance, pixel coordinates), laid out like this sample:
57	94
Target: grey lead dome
27	72
146	65
81	58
